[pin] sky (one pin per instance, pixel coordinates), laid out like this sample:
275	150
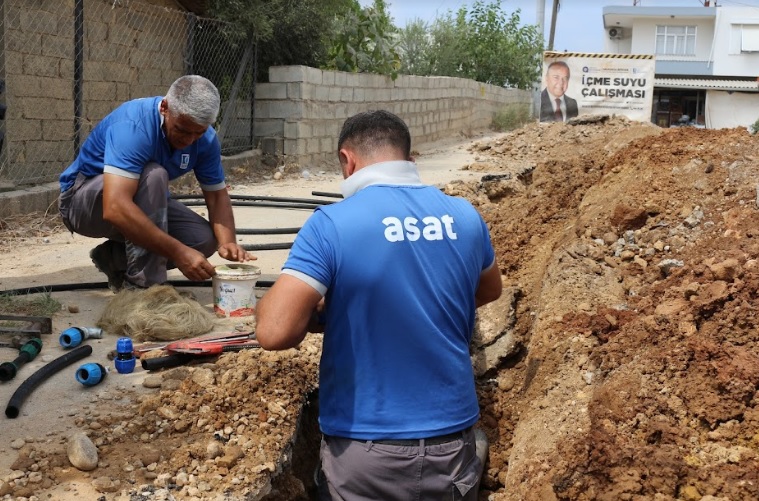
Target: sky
579	25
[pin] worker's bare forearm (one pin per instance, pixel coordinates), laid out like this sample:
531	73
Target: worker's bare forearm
285	313
221	216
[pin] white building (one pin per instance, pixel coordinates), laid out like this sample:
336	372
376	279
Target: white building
707	60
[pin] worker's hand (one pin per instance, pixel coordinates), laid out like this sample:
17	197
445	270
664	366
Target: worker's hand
235	252
194	265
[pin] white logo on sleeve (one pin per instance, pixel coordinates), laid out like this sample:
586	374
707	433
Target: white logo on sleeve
431	228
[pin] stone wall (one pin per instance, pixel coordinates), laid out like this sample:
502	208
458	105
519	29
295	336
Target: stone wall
301	110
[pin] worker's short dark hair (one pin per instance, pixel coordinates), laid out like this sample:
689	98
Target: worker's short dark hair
369	131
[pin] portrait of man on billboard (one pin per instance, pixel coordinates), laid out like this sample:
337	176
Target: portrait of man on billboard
555	105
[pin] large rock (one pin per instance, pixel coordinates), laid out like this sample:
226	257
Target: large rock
629	218
494	339
82	453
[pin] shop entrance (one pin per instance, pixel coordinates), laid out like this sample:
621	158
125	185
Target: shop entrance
676	108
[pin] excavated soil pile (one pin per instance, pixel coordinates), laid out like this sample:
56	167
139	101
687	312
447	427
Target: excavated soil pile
631	253
634	249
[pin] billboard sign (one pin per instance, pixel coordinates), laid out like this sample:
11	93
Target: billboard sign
596	84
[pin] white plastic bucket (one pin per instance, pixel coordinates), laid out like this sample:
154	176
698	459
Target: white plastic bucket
234	290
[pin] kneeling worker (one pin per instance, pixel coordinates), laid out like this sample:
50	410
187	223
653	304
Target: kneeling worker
117	188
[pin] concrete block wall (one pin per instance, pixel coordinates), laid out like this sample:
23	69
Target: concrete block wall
129	51
301	110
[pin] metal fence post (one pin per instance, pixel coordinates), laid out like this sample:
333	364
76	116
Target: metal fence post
253	94
232	101
189	57
78	71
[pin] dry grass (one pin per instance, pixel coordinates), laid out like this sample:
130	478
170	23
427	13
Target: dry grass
18	228
40	305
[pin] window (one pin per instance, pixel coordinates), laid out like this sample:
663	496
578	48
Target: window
750	38
676	40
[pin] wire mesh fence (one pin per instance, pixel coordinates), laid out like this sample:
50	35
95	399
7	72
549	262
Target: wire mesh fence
65	65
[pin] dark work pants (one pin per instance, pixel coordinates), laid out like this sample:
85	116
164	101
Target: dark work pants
81	208
355	470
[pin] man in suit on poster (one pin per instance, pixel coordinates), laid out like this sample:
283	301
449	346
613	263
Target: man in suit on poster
555	105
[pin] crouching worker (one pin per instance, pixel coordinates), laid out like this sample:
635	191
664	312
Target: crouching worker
402	268
117	188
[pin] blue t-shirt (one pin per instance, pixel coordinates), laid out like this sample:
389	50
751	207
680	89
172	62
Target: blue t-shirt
130	137
400	265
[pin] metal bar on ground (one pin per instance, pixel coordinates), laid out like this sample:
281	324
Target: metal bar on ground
36	325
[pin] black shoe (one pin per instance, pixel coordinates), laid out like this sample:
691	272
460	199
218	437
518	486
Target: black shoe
102	256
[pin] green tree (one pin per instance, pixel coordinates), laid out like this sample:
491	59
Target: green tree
414	46
286	31
363	40
487	45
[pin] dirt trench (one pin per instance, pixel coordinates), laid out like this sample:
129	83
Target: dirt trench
634	249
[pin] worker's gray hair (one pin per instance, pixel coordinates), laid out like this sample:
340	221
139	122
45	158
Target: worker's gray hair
196	97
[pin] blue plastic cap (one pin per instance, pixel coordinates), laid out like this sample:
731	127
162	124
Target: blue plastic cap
90	374
125	360
124	345
71	337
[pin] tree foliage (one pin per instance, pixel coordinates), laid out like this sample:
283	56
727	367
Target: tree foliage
286	31
484	44
414	47
363	40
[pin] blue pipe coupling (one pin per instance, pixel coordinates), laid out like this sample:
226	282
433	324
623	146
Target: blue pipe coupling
91	374
73	336
125	360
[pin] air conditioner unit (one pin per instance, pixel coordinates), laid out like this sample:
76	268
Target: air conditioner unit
615	33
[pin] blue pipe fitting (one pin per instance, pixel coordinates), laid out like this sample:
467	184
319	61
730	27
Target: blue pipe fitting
91	374
125	360
73	336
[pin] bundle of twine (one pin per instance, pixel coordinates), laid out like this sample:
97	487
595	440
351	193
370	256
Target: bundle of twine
158	313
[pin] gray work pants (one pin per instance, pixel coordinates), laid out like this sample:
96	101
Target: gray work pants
81	208
356	470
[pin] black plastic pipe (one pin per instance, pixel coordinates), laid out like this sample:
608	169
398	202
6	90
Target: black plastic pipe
23	391
245	203
267	231
41	289
172	360
258	247
326	194
262	198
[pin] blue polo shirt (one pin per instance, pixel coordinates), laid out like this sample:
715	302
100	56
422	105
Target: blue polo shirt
130	137
399	263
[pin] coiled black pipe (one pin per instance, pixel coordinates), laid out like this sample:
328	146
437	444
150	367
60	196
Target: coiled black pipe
244	203
326	194
258	247
41	289
23	391
267	231
267	198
